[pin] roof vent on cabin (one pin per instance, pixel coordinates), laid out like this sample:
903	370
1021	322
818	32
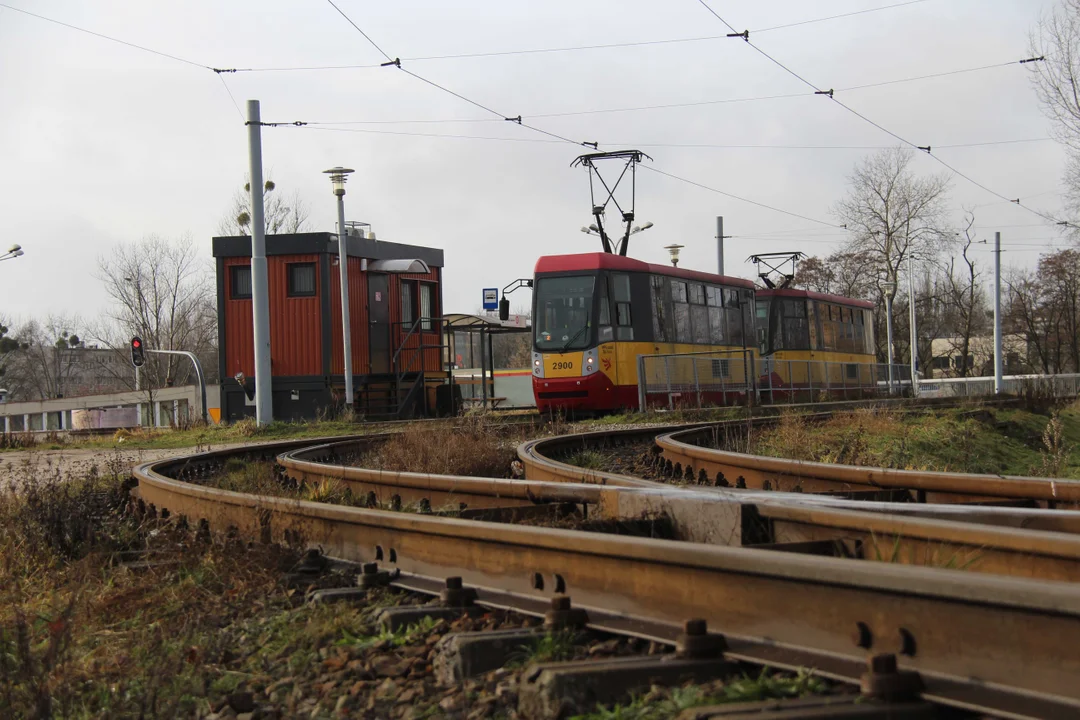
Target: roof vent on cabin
359	229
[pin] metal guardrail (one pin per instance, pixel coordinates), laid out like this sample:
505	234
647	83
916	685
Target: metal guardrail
1064	385
736	377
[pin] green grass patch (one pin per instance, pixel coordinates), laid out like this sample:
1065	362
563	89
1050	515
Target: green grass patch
1005	441
662	703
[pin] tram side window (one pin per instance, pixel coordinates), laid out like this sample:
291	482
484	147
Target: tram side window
620	294
604	324
733	316
661	318
858	332
746	299
795	328
682	312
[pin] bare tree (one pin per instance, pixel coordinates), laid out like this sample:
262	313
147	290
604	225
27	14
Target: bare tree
849	274
1044	307
1057	84
44	360
893	215
966	301
163	293
281	214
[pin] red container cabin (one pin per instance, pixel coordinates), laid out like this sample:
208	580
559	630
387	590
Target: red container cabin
395	300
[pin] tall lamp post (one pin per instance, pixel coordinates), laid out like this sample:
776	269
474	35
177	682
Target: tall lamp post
889	287
13	252
338	175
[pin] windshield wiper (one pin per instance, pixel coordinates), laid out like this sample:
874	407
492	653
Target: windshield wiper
575	337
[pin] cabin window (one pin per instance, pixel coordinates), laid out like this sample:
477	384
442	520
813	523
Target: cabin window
678	291
240	280
301	279
408	311
427	306
714	296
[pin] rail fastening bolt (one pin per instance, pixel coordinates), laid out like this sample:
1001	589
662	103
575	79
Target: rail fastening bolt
695	627
453	583
883	664
863	637
370	568
560	602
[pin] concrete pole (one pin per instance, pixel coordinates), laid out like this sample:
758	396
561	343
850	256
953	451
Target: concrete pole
998	365
888	337
719	244
260	293
346	326
914	330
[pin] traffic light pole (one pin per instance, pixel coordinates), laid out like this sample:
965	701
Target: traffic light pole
198	373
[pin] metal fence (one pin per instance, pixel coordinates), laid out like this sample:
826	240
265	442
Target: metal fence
1066	385
735	377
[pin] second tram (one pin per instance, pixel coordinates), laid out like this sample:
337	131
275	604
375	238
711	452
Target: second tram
815	342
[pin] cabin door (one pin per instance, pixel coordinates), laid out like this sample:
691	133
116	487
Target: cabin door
379	323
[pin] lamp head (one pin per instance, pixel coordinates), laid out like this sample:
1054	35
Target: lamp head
338	176
673	251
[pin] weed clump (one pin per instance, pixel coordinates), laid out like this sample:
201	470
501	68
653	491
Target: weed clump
474	446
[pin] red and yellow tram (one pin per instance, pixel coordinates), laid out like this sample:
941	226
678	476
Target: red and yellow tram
595	313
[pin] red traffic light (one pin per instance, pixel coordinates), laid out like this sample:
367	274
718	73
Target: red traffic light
137	356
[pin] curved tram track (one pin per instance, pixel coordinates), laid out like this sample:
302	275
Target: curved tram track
755	565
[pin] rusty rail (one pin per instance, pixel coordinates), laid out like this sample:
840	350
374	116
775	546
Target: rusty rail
980	641
688	448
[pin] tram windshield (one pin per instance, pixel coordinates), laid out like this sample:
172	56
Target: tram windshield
562	320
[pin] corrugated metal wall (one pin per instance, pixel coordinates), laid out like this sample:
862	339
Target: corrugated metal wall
295	325
239	336
358	318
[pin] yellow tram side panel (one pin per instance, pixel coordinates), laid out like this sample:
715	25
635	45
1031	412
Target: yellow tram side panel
679	371
618	362
804	368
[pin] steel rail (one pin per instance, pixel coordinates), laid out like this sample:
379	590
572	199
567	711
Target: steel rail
980	641
687	448
938	535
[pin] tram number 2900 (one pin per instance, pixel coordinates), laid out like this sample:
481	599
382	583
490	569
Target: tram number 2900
562	365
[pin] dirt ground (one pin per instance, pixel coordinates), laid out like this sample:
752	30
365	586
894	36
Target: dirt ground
79	462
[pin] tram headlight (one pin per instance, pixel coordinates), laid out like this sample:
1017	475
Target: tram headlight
589	361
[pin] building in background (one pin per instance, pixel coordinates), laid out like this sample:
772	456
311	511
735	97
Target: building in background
395	302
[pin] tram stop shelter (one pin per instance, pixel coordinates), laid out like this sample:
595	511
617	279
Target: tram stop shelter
471	361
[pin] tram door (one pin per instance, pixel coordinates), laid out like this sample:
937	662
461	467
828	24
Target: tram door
379	322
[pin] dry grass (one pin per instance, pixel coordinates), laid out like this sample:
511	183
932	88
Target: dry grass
82	634
474	446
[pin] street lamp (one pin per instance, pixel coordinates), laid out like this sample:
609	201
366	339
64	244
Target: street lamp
645	226
889	287
673	251
338	175
13	252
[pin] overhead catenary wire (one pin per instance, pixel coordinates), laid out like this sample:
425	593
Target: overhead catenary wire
571	48
696	103
831	94
396	63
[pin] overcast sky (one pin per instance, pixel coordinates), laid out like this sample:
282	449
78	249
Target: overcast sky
101	144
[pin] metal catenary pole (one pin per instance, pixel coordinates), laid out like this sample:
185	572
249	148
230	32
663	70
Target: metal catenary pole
260	295
998	365
914	331
720	245
343	267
